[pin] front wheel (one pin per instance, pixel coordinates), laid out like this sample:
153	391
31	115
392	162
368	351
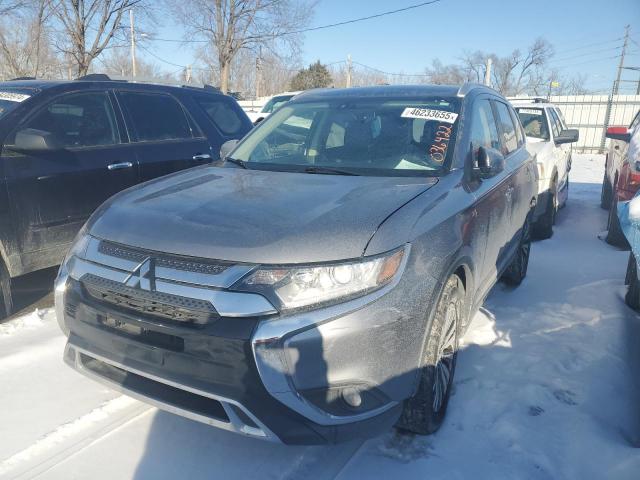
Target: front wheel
517	271
424	412
6	299
543	228
615	236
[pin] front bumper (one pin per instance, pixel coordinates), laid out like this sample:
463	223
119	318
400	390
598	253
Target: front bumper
282	378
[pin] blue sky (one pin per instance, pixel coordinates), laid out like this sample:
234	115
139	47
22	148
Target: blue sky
583	32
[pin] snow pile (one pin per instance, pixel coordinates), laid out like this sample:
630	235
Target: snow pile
34	320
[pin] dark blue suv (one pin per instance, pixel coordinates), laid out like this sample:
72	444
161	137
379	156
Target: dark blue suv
67	146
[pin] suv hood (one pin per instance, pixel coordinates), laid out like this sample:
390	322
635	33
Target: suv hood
255	216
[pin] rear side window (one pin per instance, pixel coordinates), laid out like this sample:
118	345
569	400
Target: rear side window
483	127
79	120
556	126
222	114
156	116
508	130
516	122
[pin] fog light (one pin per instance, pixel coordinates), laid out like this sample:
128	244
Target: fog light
351	397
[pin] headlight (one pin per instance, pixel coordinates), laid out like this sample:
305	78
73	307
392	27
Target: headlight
303	286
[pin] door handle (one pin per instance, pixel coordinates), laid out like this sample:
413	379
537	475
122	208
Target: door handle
118	166
202	156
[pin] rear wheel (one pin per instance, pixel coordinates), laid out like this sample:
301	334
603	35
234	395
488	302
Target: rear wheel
517	271
605	193
424	412
632	298
543	228
6	300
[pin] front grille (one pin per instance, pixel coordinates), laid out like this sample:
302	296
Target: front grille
175	262
163	305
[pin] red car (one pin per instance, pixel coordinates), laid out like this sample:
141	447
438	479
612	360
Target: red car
621	178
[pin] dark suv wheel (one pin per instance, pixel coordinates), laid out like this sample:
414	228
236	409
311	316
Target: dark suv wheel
517	271
424	412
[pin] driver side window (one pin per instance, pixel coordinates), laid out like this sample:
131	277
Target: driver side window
484	132
78	120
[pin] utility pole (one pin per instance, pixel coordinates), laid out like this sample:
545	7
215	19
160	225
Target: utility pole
188	74
487	72
133	44
349	70
614	90
258	72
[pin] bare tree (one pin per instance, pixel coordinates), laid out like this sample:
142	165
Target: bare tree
117	62
27	51
234	25
89	27
8	6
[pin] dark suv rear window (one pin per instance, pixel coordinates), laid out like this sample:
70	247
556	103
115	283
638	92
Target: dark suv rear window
156	117
222	114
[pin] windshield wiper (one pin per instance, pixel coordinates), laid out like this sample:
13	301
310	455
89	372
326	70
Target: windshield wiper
329	171
236	161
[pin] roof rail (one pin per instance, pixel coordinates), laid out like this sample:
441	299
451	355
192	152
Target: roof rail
103	77
22	78
468	86
94	77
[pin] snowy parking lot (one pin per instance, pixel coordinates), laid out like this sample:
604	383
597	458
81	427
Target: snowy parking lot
547	387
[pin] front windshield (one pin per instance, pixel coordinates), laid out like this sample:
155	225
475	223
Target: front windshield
534	122
362	136
275	103
10	100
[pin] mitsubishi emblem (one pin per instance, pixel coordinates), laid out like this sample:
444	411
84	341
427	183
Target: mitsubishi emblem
143	276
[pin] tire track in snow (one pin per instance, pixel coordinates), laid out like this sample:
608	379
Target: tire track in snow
71	437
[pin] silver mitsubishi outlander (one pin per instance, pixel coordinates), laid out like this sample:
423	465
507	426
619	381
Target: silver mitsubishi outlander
313	284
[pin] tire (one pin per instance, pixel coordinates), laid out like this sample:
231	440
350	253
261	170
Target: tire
605	193
543	227
632	297
517	270
6	299
615	236
566	198
425	411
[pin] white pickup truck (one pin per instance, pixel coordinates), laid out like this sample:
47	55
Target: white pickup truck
548	140
257	115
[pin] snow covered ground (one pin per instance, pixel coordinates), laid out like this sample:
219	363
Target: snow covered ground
546	388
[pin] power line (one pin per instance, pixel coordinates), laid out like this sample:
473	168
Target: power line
597	44
590	61
322	27
392	73
555	60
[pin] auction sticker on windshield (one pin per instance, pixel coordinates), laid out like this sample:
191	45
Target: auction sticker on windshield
429	114
530	111
13	97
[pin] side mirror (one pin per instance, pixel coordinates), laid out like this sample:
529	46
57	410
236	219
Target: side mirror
570	135
618	133
489	162
226	148
32	140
